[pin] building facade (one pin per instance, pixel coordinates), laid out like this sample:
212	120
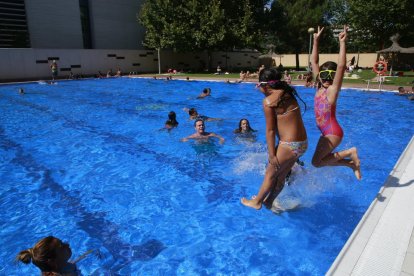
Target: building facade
74	24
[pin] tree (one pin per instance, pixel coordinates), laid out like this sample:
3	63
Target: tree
377	20
289	22
196	25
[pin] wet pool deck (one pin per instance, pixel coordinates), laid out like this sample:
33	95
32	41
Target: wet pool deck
383	241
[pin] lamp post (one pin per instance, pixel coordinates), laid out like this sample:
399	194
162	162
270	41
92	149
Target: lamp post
310	32
159	61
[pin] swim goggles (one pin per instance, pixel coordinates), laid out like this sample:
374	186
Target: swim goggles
327	74
263	83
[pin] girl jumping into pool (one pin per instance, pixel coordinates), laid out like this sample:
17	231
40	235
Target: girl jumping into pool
329	76
284	119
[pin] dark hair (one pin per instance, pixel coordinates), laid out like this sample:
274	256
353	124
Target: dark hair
273	78
198	120
172	121
192	111
238	130
41	254
206	90
329	65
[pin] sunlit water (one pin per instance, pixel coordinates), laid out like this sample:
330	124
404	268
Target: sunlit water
86	161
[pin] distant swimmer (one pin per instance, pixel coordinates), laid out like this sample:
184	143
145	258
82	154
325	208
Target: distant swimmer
206	92
172	121
194	115
21	91
201	134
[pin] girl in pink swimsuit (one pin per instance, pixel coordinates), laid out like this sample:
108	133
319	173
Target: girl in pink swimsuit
330	76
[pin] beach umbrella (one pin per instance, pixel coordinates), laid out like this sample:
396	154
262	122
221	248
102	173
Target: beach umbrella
395	49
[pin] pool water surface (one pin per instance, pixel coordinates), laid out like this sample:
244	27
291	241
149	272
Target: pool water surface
88	162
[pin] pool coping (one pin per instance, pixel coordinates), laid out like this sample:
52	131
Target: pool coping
383	241
385	88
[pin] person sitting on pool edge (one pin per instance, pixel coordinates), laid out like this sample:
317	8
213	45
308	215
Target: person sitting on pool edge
206	92
172	121
194	115
51	256
201	133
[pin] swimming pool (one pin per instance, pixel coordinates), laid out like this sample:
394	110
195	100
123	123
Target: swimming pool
86	161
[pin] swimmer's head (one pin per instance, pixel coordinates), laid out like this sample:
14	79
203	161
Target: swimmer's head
206	91
192	112
47	254
198	120
172	115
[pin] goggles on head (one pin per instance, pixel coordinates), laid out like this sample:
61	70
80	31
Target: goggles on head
263	83
327	74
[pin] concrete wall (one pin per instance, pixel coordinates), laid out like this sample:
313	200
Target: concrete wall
365	60
114	24
23	64
54	24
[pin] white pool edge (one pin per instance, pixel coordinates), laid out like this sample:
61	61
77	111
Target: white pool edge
364	251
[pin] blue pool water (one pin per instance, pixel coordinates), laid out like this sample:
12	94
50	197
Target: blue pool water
86	161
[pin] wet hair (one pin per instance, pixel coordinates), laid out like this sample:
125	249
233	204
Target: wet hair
198	120
273	78
206	90
172	121
239	130
41	254
192	111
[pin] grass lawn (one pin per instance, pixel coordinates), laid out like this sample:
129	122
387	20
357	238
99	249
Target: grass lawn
364	75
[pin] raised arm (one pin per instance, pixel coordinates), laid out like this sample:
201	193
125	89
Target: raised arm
315	52
333	91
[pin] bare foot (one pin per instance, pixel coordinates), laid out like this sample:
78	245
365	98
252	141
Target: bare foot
251	203
356	163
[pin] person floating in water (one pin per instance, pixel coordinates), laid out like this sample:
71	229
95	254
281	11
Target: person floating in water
329	76
284	119
21	91
206	92
172	121
51	256
201	134
54	68
194	115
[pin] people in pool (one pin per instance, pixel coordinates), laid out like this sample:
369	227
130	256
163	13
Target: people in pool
283	119
329	76
172	120
206	92
201	133
194	115
244	127
51	256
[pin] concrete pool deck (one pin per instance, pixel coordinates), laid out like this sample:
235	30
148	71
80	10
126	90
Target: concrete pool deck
383	241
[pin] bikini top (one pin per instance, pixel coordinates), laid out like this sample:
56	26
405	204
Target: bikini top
268	103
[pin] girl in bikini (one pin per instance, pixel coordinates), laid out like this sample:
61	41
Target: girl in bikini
329	76
284	119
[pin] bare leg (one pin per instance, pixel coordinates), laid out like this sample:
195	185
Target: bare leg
278	187
325	157
285	157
